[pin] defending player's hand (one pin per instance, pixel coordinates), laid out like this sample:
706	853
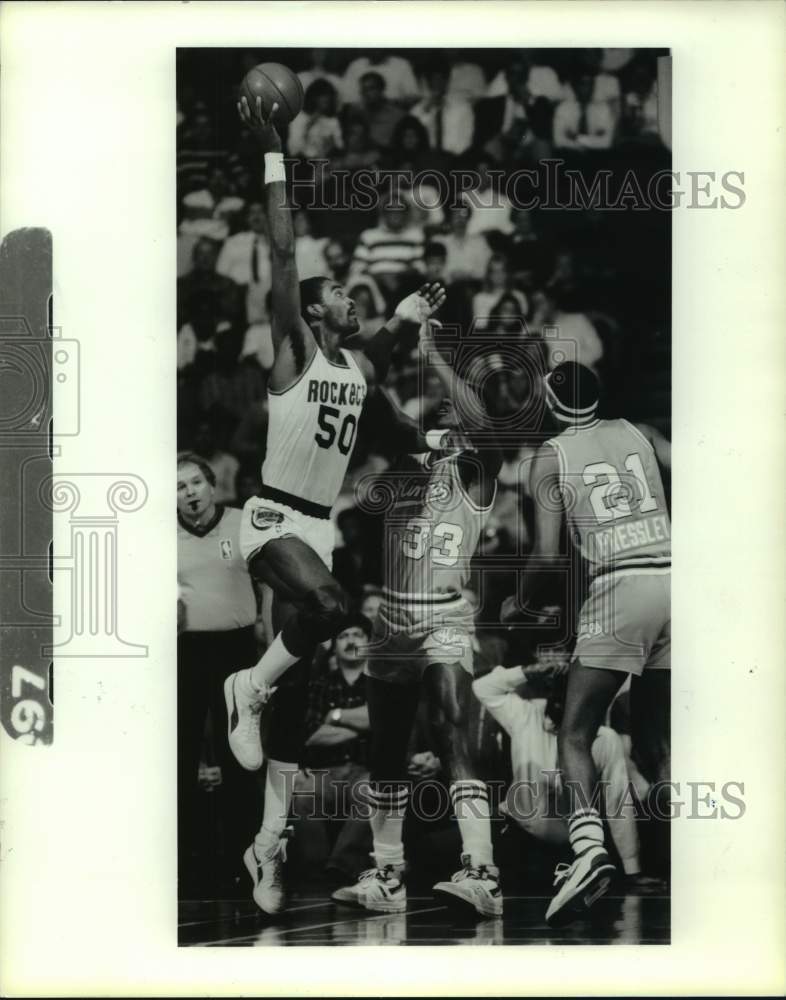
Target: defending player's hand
261	124
417	308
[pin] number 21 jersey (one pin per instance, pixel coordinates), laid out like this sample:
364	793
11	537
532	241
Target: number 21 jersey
311	430
614	498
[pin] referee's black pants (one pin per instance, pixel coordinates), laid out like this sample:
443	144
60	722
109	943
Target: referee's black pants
204	659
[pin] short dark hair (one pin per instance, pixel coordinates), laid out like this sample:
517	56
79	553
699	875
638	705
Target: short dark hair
435	249
355	620
375	77
311	292
191	458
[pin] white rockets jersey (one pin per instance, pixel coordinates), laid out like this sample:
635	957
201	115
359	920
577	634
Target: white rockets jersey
614	498
311	430
432	531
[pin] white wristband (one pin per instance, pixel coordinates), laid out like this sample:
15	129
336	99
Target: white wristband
274	168
435	439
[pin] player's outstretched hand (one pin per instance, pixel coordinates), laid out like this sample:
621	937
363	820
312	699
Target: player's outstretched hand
260	123
417	307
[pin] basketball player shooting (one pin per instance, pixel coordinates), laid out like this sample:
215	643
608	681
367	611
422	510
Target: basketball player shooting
618	518
422	639
316	394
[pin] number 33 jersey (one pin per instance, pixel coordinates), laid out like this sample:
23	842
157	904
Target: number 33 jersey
614	498
431	530
311	430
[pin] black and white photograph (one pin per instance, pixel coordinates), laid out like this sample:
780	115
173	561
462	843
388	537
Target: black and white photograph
383	388
423	477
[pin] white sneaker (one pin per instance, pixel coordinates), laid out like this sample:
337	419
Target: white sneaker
381	890
243	718
267	873
475	886
579	885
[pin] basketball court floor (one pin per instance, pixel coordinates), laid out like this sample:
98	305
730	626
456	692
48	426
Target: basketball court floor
312	919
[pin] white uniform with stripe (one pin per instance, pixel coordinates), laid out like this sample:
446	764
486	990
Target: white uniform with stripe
431	534
312	426
618	518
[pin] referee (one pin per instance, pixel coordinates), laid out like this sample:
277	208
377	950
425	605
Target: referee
217	609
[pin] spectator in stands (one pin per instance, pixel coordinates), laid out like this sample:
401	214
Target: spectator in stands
360	152
396	73
449	119
497	284
467	256
391	251
605	87
435	257
378	112
532	724
369	606
369	304
223	465
582	123
338	260
337	727
490	207
205	292
523	249
467	80
198	152
410	147
540	78
423	408
315	134
245	258
320	69
309	249
640	103
568	333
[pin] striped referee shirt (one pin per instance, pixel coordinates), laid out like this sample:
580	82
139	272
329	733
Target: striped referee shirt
212	574
381	251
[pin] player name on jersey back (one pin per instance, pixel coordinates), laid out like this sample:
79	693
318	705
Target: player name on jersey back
614	498
311	431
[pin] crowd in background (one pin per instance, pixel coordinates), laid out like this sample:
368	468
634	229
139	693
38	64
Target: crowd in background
543	278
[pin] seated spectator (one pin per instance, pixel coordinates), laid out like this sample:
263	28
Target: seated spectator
309	250
541	80
396	73
376	110
448	119
467	256
435	257
515	124
258	339
410	147
197	340
320	69
391	251
582	123
369	303
315	134
568	333
360	152
467	81
640	103
204	291
198	152
606	86
532	724
224	465
332	786
522	249
338	261
490	207
497	284
245	258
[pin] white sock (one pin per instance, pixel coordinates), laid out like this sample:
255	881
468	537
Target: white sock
585	831
470	800
275	661
387	821
279	787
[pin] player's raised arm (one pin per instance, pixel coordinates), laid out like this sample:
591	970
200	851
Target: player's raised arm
414	310
474	419
293	341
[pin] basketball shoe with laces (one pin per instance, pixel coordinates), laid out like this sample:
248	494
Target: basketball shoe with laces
244	710
473	886
266	868
579	885
381	890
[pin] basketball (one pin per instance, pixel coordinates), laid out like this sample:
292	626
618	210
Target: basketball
275	84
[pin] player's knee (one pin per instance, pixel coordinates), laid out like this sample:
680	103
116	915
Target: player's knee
326	607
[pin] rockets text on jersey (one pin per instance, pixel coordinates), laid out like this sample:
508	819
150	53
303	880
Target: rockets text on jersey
311	430
613	496
432	530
